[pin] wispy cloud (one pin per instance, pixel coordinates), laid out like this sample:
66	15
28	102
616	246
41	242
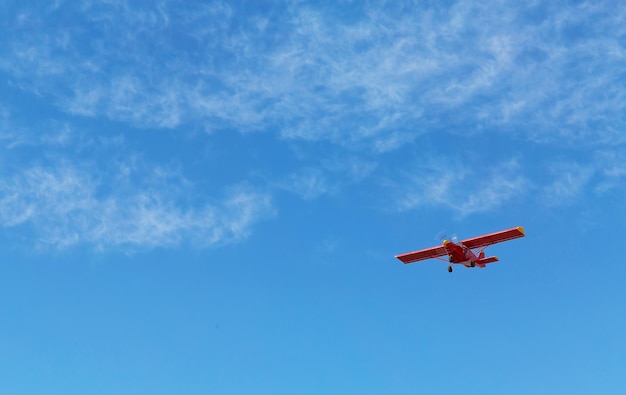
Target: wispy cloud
65	205
308	183
463	190
569	180
556	182
611	169
380	77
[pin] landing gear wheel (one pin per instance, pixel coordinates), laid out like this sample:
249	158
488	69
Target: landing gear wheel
450	269
473	264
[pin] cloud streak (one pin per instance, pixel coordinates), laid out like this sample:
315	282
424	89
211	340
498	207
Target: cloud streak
568	184
463	190
380	75
65	206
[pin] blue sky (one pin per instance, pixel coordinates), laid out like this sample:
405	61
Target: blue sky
206	197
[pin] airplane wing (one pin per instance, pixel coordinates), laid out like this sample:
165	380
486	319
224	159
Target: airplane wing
421	255
493	238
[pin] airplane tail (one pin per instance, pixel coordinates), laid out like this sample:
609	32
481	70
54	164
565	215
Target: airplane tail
482	262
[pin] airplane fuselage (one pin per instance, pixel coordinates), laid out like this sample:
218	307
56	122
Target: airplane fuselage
459	254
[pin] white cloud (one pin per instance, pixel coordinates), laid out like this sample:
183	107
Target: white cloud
461	189
569	180
65	206
612	168
378	78
308	183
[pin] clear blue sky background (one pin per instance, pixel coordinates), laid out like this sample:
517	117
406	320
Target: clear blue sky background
202	197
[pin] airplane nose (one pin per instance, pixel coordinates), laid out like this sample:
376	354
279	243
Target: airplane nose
445	242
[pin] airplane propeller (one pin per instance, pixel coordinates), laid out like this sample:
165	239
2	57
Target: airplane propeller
441	236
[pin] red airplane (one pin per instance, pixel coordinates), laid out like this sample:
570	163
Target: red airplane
461	252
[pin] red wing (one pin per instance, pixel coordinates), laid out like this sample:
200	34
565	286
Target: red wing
493	238
420	255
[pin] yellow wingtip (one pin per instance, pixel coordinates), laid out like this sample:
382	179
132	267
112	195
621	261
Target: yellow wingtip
521	229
